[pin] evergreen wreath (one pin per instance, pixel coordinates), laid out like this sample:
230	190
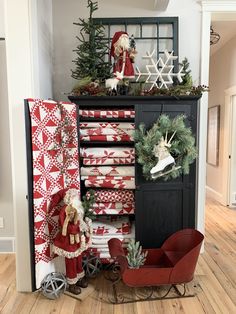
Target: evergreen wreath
182	145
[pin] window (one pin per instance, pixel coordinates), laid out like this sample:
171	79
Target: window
159	33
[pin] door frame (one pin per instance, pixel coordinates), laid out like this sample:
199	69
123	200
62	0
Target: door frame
227	147
208	9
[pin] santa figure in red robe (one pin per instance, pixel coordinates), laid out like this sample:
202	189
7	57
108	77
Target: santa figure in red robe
74	237
123	55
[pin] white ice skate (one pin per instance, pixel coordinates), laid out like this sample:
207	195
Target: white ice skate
162	164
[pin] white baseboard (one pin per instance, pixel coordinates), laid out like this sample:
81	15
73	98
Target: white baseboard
7	245
215	195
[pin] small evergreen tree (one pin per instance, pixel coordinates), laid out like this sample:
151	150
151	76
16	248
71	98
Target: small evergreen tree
91	51
187	78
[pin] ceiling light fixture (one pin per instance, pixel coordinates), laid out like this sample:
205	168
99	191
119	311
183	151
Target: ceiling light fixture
214	37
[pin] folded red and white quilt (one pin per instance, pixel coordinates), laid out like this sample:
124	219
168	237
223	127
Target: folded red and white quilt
108	195
103	241
101	255
105	237
112	205
108	161
103	113
108	171
107	178
104	247
112	184
105	131
111	226
110	125
101	249
107	138
115	208
108	211
109	152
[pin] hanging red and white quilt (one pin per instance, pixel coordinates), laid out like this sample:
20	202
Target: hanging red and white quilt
55	167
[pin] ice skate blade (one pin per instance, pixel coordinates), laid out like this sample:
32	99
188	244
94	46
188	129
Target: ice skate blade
161	174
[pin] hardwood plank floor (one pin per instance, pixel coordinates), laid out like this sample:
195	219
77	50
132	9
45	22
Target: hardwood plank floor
214	283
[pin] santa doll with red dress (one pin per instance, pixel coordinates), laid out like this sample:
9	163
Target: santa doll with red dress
73	238
123	55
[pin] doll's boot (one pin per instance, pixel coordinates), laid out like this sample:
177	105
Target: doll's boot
162	164
74	289
82	282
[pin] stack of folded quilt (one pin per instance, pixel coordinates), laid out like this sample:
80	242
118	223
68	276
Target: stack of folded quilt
110	172
106	228
112	202
106	131
116	177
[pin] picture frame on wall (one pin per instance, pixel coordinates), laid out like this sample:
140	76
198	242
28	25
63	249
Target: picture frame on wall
213	135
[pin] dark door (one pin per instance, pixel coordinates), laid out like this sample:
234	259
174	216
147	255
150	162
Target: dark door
164	207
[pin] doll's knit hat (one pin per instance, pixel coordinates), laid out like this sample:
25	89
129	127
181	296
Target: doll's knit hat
115	38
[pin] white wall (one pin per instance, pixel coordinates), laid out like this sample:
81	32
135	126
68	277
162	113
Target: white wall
64	32
41	20
222	77
2	20
23	82
6	200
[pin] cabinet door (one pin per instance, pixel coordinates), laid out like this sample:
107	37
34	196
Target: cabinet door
164	207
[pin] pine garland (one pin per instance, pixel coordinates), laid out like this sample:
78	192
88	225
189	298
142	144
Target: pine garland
182	145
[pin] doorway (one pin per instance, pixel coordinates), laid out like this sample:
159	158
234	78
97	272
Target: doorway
211	11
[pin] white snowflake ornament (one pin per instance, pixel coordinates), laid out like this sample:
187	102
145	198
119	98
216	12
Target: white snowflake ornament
159	73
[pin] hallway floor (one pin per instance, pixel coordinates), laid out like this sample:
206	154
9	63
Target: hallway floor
215	280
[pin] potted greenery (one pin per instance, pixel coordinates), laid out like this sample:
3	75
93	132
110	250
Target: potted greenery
136	257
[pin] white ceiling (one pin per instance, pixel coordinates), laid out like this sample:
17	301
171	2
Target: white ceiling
226	30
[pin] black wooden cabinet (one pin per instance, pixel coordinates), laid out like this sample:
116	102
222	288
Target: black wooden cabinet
161	207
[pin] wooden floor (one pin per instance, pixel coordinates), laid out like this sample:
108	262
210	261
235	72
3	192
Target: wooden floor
215	281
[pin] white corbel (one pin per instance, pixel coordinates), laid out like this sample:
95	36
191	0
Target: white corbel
161	5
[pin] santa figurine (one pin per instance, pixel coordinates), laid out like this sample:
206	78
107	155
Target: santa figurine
73	238
123	55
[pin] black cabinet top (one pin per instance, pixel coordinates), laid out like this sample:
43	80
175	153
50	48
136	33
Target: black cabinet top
131	98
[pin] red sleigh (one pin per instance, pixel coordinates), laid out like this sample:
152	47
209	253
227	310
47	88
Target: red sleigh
173	264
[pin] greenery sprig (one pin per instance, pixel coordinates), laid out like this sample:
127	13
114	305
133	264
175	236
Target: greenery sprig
135	257
87	202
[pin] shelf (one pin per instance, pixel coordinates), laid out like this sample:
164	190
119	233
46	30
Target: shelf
100	144
115	215
82	119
